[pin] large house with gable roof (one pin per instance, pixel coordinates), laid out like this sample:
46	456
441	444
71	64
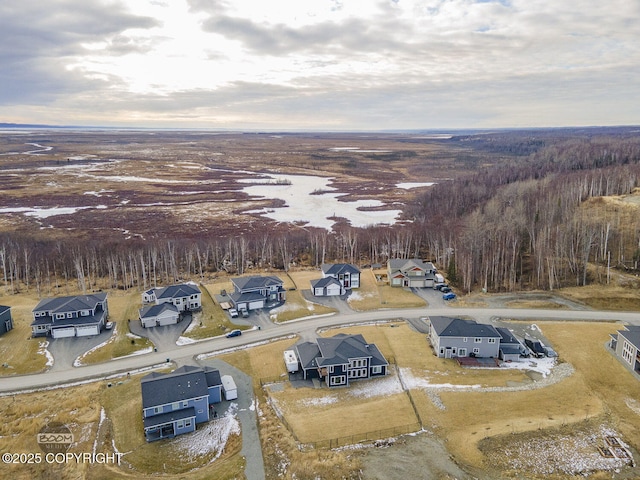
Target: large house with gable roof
337	279
454	337
173	403
72	316
340	359
256	291
412	273
185	297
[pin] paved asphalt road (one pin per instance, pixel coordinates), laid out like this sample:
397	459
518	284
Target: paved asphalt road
304	327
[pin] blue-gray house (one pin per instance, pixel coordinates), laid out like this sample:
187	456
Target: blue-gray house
6	322
340	359
173	403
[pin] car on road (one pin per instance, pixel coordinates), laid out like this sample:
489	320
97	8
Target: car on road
234	333
449	296
233	312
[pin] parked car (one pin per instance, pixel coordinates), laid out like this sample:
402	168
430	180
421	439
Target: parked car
233	312
550	352
234	333
449	296
445	289
535	346
439	286
244	312
108	325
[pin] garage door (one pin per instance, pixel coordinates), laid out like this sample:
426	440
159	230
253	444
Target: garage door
256	304
88	330
63	332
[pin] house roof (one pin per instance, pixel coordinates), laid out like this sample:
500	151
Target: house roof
339	349
325	282
151	311
307	354
404	264
255	281
631	334
3	309
169	417
245	297
213	377
509	349
177	291
507	336
70	303
338	268
456	327
182	384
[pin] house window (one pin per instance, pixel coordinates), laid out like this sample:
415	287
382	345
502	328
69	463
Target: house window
175	406
476	350
358	373
627	352
465	339
157	410
180	424
331	369
187	423
462	352
69	315
338	380
492	340
184	403
477	340
441	351
358	363
376	370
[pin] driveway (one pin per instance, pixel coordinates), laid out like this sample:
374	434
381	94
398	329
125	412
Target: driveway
66	350
338	303
164	338
431	296
247	415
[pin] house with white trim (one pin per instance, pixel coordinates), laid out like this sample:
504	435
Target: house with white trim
257	291
413	273
626	345
454	337
186	297
173	403
340	359
72	316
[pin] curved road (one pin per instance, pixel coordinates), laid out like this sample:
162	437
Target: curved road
303	327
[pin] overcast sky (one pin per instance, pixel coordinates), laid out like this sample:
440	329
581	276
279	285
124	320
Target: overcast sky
320	64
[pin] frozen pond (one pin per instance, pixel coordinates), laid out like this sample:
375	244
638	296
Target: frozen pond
314	209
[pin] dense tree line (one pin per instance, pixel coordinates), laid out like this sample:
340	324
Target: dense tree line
519	224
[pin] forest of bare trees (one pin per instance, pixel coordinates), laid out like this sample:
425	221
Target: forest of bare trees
534	222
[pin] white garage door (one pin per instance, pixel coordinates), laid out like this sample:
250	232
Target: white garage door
86	331
256	304
63	332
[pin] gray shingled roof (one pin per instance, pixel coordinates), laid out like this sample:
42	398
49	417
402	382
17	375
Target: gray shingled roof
338	349
404	264
255	281
151	311
338	268
323	282
182	384
178	291
3	309
307	354
456	327
67	304
507	336
631	334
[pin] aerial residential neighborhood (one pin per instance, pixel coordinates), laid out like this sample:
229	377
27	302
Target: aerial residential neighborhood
70	316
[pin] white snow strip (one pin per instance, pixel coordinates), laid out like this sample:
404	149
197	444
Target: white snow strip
44	351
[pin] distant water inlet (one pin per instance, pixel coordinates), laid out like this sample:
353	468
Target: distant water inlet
310	199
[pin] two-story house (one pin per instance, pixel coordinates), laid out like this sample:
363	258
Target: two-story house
410	273
454	337
626	345
340	359
337	279
6	322
185	297
73	316
256	291
173	403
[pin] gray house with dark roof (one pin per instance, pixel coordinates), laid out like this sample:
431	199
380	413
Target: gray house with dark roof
626	345
6	322
256	291
410	273
173	403
73	316
340	359
347	274
185	297
454	337
159	315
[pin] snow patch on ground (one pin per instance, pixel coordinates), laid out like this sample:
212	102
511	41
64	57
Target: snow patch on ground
184	341
387	385
320	401
543	366
211	438
633	404
103	417
133	335
354	296
44	351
